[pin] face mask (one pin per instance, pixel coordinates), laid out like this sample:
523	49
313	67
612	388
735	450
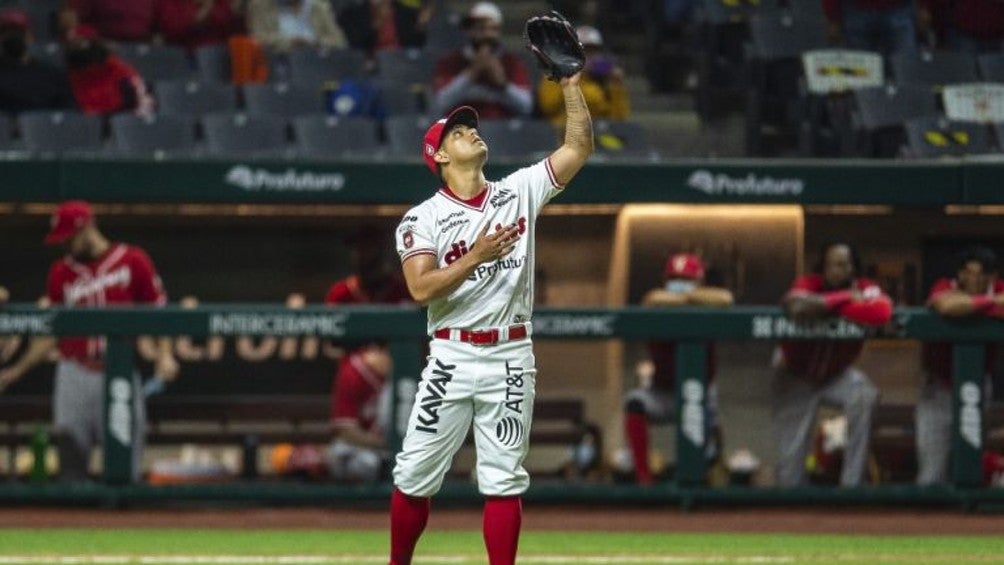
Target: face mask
680	285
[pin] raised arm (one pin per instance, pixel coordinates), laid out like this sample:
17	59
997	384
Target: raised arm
578	145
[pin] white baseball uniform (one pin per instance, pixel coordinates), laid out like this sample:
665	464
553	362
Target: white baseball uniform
490	382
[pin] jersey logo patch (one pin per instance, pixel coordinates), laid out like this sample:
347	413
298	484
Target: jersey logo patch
408	239
509	431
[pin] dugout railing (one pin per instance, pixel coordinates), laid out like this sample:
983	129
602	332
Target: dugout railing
404	329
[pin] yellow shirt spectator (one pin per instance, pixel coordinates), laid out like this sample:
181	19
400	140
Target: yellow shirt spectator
602	85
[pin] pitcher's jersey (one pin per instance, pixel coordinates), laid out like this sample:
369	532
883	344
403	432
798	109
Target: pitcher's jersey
495	294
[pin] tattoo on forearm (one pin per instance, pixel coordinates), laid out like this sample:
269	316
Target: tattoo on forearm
579	125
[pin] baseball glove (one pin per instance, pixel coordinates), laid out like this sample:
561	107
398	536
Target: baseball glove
555	44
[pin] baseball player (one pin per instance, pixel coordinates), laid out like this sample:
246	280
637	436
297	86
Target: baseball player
95	272
811	373
683	285
974	291
468	253
360	400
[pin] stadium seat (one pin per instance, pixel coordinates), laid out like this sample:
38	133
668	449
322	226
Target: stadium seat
721	34
43	17
404	135
991	66
50	52
934	69
774	97
192	98
406	66
443	34
239	135
212	62
616	140
156	62
50	134
158	136
519	139
320	136
314	67
879	115
282	99
398	98
7	141
934	136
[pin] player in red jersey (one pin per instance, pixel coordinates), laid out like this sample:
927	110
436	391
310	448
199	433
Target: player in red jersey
360	400
813	373
683	285
94	273
974	291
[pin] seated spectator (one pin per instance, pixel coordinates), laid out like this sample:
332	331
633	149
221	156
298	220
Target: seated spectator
886	26
118	20
375	25
25	82
483	74
281	24
974	26
102	82
809	374
195	23
974	291
602	84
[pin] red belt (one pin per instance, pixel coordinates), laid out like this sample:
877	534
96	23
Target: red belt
488	336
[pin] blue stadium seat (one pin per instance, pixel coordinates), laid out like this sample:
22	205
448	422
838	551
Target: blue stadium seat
406	66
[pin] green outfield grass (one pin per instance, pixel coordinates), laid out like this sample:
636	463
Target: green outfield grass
260	547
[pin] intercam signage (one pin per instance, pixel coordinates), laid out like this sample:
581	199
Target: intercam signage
325	325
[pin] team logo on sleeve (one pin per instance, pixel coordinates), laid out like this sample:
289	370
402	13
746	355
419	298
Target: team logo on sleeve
408	239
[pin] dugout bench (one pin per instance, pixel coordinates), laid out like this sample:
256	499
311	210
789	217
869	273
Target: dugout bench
251	421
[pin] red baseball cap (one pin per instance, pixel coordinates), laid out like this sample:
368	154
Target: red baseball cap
67	220
684	266
434	135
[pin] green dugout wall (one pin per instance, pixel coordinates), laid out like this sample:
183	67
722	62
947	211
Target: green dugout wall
404	328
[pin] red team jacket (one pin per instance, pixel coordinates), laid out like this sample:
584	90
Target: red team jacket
123	275
356	390
937	356
820	360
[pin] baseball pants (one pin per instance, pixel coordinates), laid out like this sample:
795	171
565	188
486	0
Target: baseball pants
491	387
78	418
796	402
